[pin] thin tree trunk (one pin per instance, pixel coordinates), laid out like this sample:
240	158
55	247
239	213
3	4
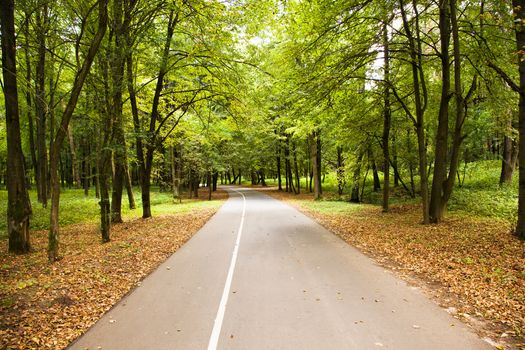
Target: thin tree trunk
117	79
175	172
41	20
411	166
387	122
460	112
375	175
196	185
105	207
278	158
289	185
354	197
51	119
74	160
135	112
78	83
129	187
154	115
86	165
296	170
519	13
420	99
442	130
210	186
316	167
18	203
395	157
318	162
29	102
340	171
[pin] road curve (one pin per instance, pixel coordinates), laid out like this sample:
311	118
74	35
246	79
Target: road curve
282	282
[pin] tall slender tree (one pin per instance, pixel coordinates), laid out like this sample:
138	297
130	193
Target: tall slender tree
18	206
61	134
519	24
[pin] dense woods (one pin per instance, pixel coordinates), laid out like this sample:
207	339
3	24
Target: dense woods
117	97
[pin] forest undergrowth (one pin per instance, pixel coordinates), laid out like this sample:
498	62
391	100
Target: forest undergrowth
47	306
472	266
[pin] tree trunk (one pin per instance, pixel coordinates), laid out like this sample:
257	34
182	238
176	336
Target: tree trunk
278	158
340	171
288	162
288	187
41	107
411	166
441	151
262	178
105	209
354	197
460	112
74	160
154	116
296	170
86	170
320	176
29	102
78	83
316	166
129	187
18	203
519	13
215	178
196	185
210	186
387	122
175	172
119	141
375	175
135	114
51	119
420	99
508	162
442	190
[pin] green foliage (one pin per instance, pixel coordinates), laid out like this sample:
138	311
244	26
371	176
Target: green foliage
482	196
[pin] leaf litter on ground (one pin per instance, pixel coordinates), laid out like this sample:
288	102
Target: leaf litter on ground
47	306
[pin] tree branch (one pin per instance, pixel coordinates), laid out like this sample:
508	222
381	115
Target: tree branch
505	77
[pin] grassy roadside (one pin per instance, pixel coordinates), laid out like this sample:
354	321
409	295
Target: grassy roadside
75	208
470	265
46	306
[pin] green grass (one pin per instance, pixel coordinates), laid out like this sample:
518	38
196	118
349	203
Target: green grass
333	206
482	195
479	195
76	208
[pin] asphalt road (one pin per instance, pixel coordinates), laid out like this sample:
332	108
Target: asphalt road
261	275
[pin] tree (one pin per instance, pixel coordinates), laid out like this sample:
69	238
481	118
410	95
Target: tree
19	206
61	134
387	122
420	98
519	23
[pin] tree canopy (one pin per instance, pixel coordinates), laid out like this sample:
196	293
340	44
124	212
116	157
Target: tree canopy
113	94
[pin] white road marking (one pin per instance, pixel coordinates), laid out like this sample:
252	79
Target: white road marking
217	324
